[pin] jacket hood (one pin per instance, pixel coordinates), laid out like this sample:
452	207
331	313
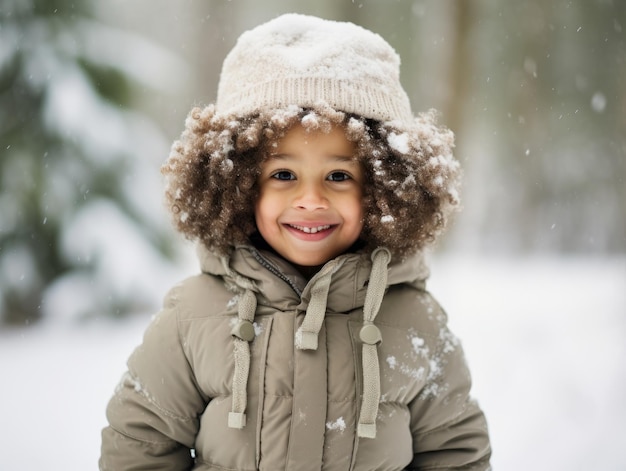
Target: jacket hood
351	277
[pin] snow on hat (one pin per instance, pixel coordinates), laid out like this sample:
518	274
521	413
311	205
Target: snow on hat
307	61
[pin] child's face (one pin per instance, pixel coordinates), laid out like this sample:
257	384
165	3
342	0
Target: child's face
310	203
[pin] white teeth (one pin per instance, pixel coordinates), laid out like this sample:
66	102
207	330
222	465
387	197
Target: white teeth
310	230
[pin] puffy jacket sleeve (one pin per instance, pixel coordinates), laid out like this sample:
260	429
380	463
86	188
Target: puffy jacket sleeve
449	429
153	415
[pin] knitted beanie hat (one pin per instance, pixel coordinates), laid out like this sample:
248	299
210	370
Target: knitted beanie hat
310	62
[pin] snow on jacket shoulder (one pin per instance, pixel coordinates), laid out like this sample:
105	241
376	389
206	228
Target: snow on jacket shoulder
303	404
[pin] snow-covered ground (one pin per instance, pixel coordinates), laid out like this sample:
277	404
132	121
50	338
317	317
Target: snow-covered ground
545	339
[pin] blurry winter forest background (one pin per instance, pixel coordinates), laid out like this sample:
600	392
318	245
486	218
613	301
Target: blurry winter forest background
92	94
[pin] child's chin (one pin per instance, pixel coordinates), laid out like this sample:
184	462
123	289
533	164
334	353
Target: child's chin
308	262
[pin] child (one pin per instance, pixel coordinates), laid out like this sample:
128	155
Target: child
309	341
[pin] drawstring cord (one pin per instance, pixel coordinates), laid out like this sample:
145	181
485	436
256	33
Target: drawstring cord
371	337
307	333
243	333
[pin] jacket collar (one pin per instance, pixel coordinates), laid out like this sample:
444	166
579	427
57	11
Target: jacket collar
280	284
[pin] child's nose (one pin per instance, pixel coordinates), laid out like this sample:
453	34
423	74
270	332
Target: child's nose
310	197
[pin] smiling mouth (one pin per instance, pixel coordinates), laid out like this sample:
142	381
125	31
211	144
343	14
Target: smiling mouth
310	230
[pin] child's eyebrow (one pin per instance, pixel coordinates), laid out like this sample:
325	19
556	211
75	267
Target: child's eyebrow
345	158
339	158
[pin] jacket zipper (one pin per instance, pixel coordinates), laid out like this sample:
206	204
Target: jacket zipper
274	270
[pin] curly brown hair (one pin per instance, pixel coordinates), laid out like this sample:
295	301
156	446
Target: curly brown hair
411	178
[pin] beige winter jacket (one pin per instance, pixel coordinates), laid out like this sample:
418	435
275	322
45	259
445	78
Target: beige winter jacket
250	367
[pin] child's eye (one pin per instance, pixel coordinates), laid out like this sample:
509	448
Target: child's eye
339	177
283	175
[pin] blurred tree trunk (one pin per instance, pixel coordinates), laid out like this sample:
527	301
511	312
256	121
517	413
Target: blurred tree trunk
461	65
212	44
